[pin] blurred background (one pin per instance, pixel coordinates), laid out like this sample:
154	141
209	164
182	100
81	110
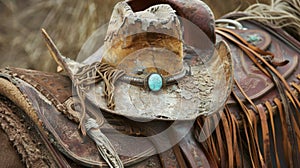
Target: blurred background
69	23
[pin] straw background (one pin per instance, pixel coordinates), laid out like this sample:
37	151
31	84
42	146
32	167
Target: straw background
68	22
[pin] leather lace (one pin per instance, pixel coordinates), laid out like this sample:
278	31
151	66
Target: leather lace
92	74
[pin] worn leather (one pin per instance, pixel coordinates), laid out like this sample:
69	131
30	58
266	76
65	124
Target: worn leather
58	89
48	95
195	11
48	92
267	103
254	82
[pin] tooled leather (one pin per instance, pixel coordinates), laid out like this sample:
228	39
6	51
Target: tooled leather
56	88
278	32
257	85
264	39
63	133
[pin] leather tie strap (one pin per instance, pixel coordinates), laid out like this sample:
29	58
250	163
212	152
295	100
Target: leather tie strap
265	135
270	110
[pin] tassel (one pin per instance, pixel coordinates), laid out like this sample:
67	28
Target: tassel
104	146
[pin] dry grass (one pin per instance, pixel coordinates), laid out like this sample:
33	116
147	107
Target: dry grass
70	23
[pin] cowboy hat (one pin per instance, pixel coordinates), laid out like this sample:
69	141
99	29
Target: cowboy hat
146	70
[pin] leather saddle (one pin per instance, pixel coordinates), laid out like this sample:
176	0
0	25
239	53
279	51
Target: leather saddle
50	94
38	113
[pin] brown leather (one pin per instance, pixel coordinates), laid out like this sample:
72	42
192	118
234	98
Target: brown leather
65	136
7	149
11	157
254	82
257	88
265	98
198	158
278	32
49	95
64	132
22	136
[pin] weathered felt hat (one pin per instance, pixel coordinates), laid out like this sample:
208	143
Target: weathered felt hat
146	70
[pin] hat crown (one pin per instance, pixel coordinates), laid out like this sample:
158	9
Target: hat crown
144	42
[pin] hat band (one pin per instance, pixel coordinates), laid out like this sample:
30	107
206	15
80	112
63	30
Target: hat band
154	81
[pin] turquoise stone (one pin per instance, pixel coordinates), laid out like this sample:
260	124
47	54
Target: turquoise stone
155	82
253	38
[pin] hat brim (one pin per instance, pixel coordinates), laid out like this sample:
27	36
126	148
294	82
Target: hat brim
203	92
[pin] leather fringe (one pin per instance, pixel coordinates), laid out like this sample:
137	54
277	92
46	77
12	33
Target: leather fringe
254	139
257	136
